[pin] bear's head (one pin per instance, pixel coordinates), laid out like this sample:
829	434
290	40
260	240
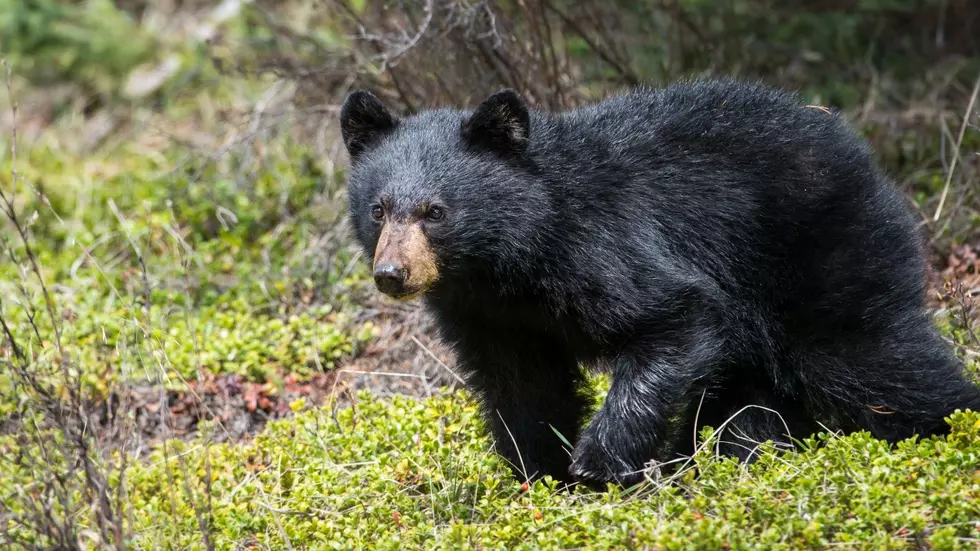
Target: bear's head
439	193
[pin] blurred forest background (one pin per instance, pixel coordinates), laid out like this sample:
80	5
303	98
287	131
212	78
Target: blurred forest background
903	70
176	262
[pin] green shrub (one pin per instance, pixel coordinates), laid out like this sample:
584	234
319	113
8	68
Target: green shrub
160	275
417	474
90	43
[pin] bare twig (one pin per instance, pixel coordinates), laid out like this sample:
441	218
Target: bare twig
72	468
11	212
627	74
959	144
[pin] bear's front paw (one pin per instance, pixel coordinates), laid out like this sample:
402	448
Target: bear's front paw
594	465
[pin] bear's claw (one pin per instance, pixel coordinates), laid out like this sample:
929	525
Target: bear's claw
594	467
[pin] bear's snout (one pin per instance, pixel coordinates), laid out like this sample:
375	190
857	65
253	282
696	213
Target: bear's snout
404	263
390	278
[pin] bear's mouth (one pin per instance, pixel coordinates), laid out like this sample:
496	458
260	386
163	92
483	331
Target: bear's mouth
407	295
397	282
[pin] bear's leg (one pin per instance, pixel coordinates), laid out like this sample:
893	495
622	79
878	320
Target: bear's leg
647	390
896	381
529	389
744	416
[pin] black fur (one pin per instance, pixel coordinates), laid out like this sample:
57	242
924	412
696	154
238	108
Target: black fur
363	119
715	239
500	124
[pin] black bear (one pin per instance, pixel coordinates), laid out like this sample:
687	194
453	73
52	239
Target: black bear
715	244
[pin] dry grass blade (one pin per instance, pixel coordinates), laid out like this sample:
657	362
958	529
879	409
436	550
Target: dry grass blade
956	151
74	472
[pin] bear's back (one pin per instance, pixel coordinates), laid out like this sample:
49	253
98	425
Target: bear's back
765	195
712	114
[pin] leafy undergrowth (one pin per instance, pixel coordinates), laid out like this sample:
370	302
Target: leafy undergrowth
163	276
417	474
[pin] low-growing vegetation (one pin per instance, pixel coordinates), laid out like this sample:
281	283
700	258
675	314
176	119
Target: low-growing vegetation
411	474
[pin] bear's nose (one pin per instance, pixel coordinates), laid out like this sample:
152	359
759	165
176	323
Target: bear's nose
390	278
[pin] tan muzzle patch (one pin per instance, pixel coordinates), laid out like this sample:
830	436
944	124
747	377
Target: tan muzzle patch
405	246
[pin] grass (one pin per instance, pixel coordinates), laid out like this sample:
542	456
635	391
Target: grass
416	474
410	474
168	280
236	260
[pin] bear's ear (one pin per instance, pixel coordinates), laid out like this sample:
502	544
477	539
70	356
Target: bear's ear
364	119
501	124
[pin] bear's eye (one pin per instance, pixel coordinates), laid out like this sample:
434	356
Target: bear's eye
378	212
435	213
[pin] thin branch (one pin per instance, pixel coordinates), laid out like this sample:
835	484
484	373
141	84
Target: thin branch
625	72
956	156
10	211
